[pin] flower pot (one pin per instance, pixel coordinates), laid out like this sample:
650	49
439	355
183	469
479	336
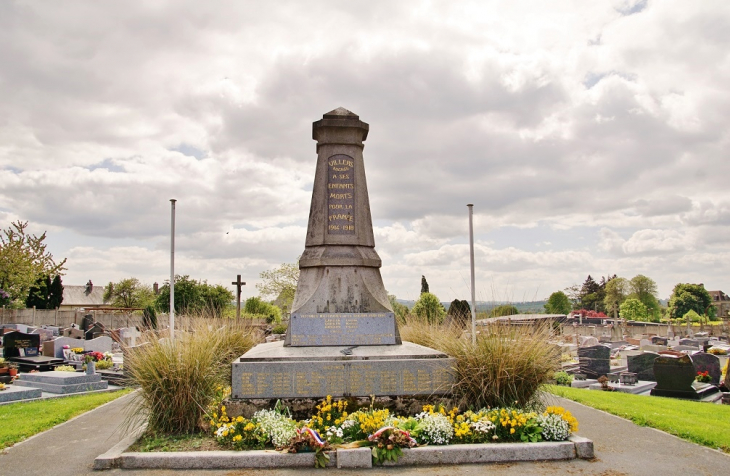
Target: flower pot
91	368
13	372
4	370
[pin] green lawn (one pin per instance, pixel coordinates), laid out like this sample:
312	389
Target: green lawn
22	420
703	423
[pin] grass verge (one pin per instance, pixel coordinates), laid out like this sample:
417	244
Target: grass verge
161	442
702	423
22	420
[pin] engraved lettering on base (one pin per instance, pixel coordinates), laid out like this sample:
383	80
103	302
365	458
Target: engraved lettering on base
366	328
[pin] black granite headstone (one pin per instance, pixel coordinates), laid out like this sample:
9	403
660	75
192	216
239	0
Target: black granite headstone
675	377
594	361
656	340
691	342
708	363
643	365
87	322
17	343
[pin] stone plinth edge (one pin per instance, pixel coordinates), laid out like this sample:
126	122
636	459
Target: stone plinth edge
575	447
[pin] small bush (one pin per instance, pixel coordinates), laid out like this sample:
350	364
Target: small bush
279	329
563	378
179	379
505	368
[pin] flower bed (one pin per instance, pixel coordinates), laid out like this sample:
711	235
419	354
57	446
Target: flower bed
332	426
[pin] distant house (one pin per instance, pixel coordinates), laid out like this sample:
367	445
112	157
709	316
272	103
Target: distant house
721	301
87	297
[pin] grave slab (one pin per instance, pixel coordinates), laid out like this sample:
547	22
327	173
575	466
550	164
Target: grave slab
62	382
13	393
639	388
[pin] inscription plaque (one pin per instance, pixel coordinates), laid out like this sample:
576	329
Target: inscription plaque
365	328
342	378
341	195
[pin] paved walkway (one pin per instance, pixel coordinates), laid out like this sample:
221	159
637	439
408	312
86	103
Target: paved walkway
621	448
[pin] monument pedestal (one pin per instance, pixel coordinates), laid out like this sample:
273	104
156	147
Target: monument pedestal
272	371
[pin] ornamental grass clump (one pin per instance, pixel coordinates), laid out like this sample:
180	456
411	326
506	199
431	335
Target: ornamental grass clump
505	368
179	380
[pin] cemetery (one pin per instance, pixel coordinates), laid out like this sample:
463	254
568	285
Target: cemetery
349	385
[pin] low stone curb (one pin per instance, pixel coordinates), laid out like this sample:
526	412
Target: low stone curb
575	447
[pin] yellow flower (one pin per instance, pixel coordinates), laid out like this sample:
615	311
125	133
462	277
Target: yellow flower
511	431
237	438
249	427
239	419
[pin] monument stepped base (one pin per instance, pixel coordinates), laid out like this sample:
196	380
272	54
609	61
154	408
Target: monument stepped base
272	371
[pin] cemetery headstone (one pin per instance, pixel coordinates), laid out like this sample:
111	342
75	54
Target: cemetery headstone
87	322
685	348
656	340
644	343
94	331
129	335
19	344
643	365
675	377
587	341
690	342
594	361
46	334
708	363
73	333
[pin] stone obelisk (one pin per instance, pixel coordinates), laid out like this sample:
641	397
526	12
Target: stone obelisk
340	298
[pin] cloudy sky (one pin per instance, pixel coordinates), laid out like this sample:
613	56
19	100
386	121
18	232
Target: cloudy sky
592	137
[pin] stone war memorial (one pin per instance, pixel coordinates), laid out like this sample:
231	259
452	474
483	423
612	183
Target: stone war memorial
343	337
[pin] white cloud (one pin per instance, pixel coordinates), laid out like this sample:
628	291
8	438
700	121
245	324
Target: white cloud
607	119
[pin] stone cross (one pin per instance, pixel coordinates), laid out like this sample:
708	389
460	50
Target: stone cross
238	283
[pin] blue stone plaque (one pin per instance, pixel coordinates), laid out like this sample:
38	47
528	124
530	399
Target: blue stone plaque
338	329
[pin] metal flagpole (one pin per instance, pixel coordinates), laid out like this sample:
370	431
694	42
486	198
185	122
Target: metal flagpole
172	270
471	255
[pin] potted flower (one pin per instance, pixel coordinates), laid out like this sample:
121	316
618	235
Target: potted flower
3	366
13	370
704	377
91	358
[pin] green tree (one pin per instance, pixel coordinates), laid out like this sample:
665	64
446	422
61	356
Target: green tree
194	297
616	291
38	293
149	317
257	306
460	311
24	259
129	292
592	294
645	290
558	303
504	310
400	310
424	284
430	308
633	310
692	316
690	297
55	297
280	284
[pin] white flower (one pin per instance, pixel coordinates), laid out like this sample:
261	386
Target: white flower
554	427
279	428
435	428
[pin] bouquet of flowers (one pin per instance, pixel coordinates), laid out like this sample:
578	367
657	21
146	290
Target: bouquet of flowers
93	357
704	377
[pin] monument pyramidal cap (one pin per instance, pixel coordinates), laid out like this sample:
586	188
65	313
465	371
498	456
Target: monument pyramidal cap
342	339
340	297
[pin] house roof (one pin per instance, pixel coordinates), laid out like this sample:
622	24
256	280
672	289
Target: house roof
718	296
80	296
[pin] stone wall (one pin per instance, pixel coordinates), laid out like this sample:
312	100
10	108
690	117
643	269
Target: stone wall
41	317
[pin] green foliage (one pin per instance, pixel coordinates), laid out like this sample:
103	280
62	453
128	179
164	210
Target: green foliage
128	293
19	421
179	379
558	303
400	310
645	290
256	306
508	364
563	378
504	310
707	425
424	284
593	294
149	317
690	297
634	310
194	297
430	308
692	316
615	294
279	329
460	311
280	284
23	260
